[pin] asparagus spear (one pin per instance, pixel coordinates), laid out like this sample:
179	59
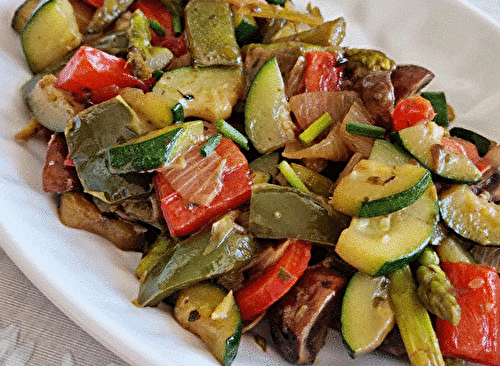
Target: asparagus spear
106	15
413	320
143	57
435	290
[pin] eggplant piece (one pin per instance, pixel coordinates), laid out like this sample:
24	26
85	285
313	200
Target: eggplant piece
409	79
299	321
76	211
377	93
56	176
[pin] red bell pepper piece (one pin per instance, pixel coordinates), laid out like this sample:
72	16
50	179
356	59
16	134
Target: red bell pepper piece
411	111
94	76
321	72
154	9
467	148
477	336
236	189
94	3
259	294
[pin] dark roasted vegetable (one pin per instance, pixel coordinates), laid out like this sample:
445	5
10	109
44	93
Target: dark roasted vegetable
409	79
299	321
106	15
76	211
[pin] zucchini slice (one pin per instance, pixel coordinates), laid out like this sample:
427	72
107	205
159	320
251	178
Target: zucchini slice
388	153
423	141
22	14
209	93
366	316
383	244
210	312
268	124
374	188
149	151
470	216
49	34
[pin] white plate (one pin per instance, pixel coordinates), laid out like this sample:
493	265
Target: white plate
94	284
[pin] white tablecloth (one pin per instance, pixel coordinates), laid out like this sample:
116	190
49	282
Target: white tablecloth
34	332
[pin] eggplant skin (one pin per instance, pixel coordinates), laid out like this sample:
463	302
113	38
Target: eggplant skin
300	320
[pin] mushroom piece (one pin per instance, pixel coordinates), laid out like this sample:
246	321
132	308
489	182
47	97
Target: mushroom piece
300	320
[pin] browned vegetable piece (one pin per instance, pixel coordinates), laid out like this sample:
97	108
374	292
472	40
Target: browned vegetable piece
76	211
58	177
299	322
409	79
377	93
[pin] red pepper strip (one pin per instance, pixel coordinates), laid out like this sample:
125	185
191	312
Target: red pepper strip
467	148
95	76
94	3
153	9
236	190
477	336
259	294
322	72
411	111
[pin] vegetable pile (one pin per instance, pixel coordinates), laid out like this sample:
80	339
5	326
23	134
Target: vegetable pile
269	173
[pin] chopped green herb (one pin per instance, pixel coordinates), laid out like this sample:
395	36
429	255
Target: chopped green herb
315	129
210	145
291	176
284	275
363	129
178	113
230	132
157	74
156	27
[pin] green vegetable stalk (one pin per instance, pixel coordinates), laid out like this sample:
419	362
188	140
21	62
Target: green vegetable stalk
435	290
413	320
144	58
106	15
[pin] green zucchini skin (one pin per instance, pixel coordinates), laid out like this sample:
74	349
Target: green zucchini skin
482	143
374	188
196	310
268	124
49	34
383	244
150	151
366	315
423	141
22	14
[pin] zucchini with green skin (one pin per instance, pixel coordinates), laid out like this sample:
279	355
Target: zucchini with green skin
438	101
211	312
367	316
383	244
388	153
209	93
92	131
22	14
278	212
197	258
150	151
374	188
268	124
49	33
423	141
482	144
470	216
52	107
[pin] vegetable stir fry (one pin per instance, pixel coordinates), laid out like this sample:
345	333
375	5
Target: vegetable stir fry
269	173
